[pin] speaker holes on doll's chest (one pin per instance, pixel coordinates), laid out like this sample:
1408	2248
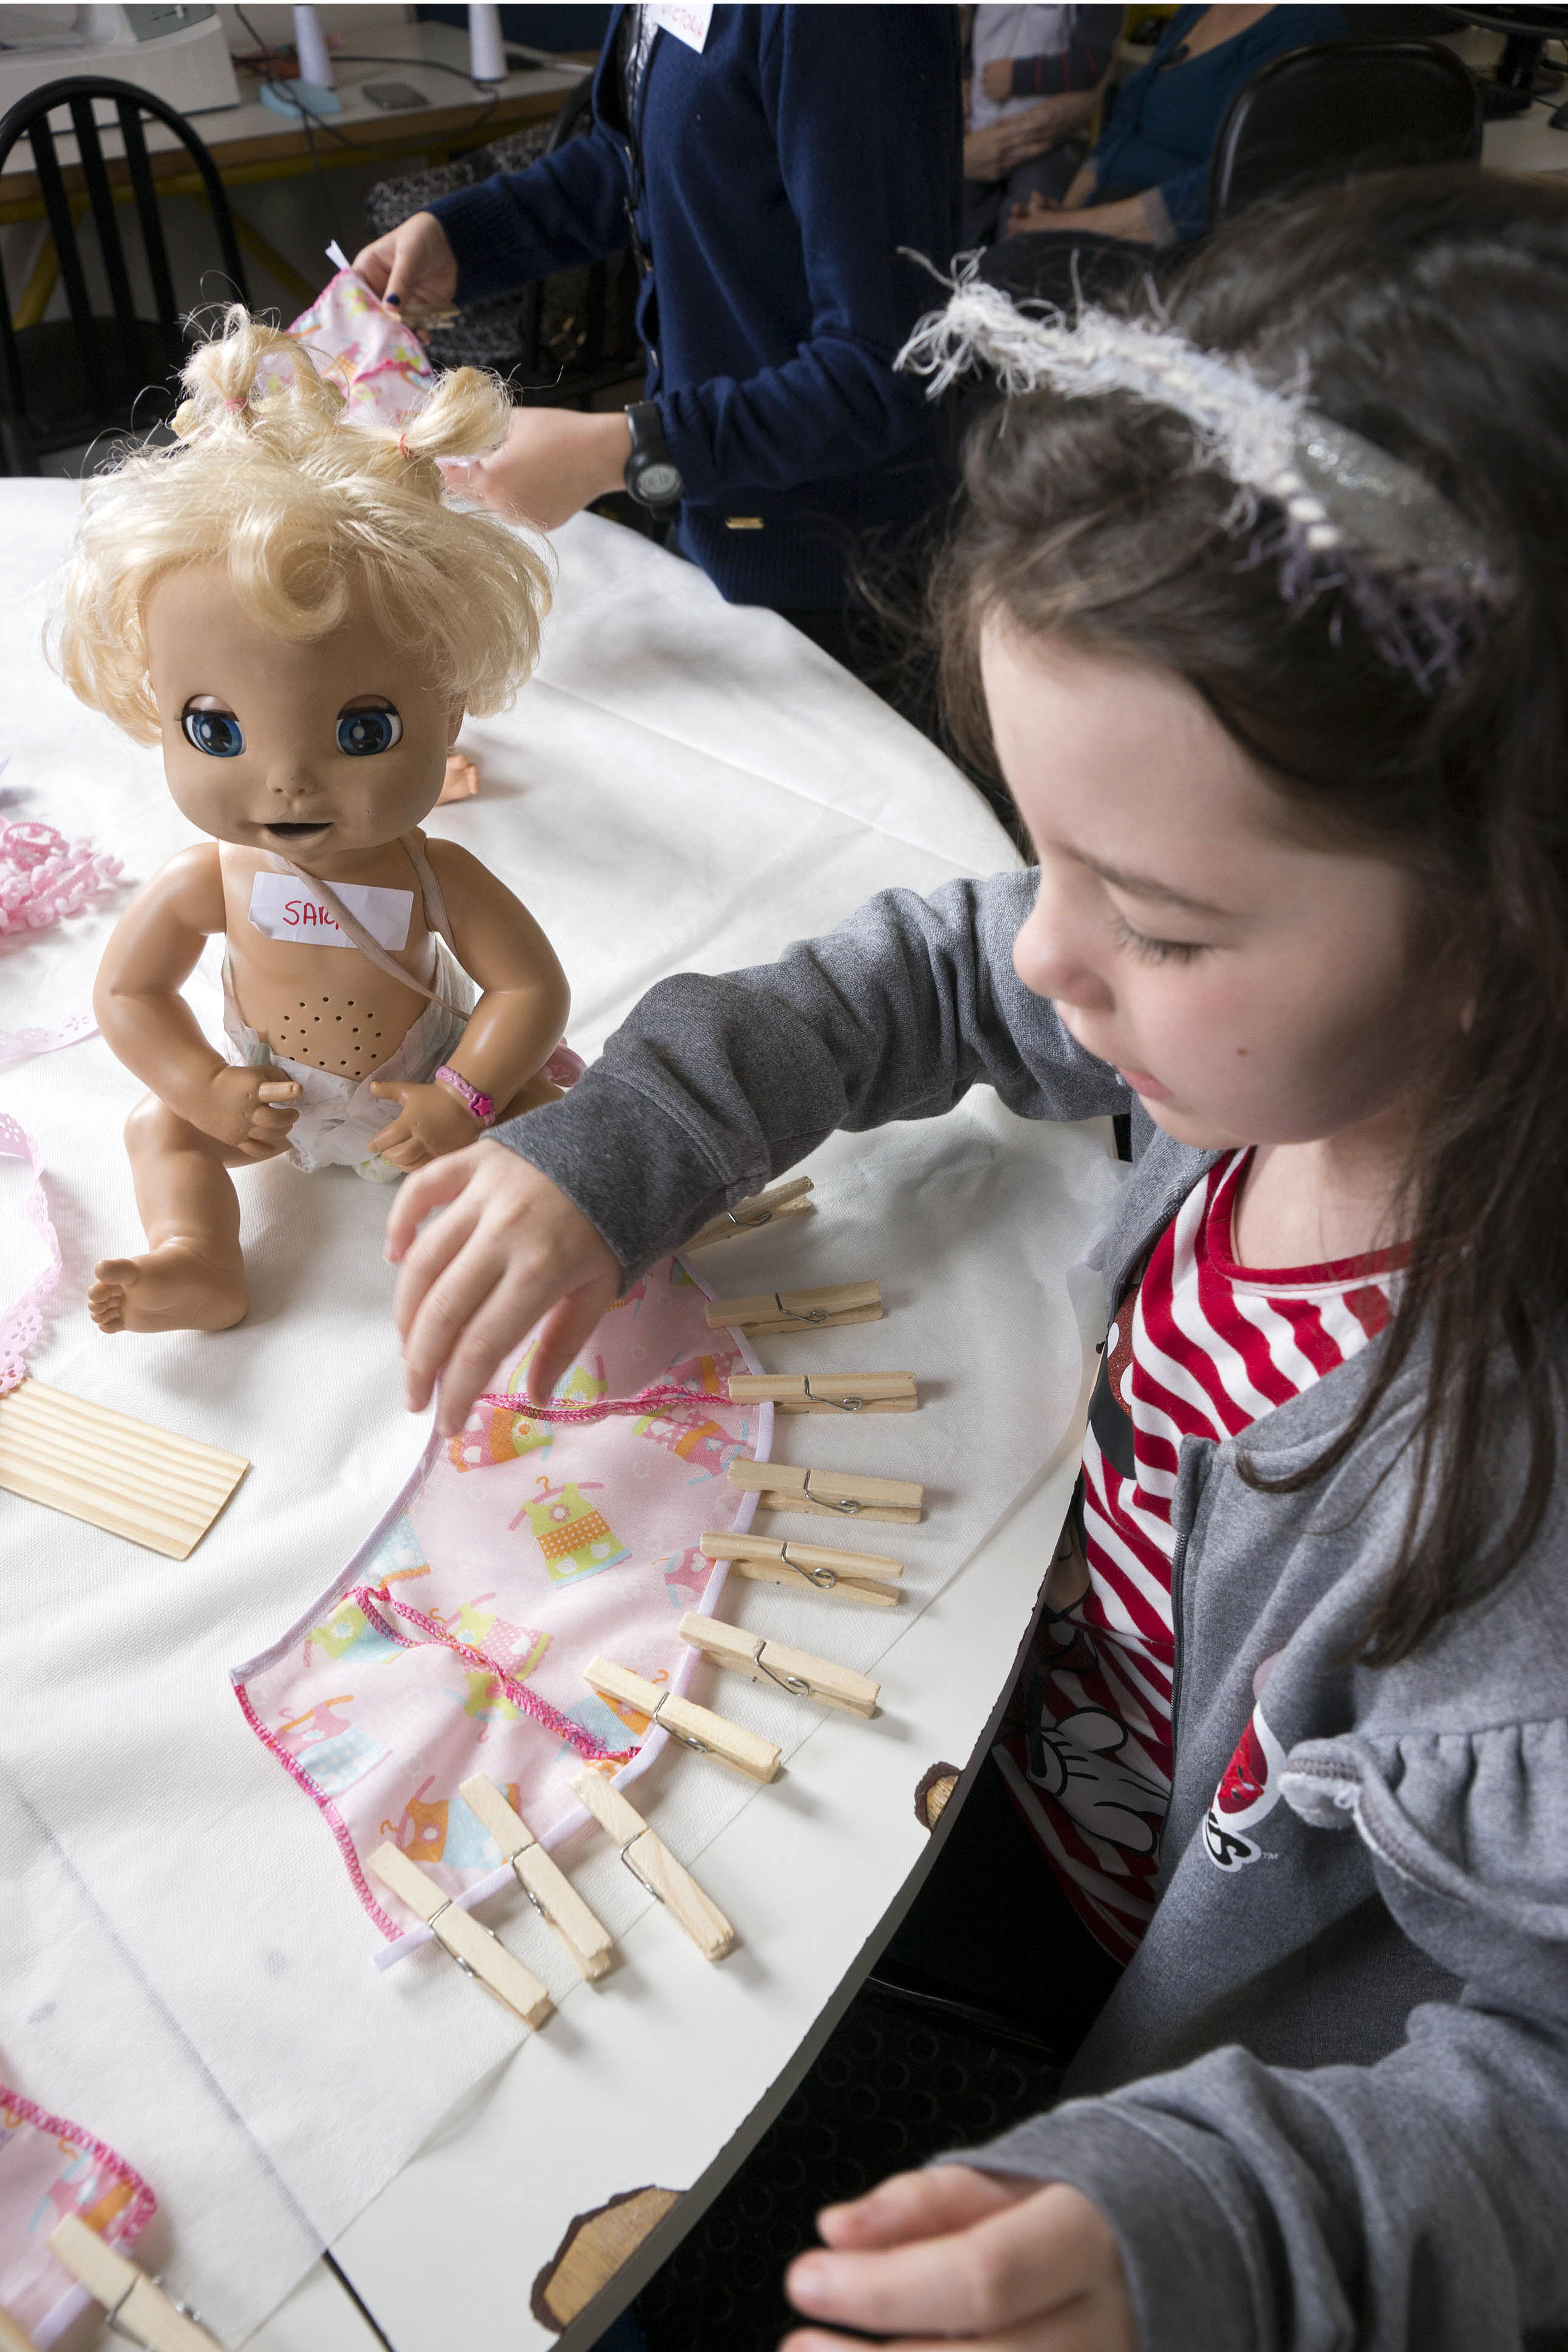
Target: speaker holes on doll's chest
330	1040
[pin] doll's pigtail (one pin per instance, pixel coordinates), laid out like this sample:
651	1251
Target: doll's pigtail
249	368
466	416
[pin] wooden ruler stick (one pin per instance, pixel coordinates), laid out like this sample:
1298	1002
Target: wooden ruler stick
475	1948
796	1670
138	2306
785	1487
763	1209
653	1865
798	1310
588	1941
827	1391
694	1726
855	1576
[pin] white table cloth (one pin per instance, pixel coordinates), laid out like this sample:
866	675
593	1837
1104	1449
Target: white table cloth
182	1966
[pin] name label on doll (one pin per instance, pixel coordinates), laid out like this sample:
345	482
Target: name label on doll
688	24
282	909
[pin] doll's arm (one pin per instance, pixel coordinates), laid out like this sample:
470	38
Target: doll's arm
153	951
515	1026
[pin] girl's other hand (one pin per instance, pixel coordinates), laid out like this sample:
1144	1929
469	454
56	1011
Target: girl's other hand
998	2264
412	265
553	462
509	1248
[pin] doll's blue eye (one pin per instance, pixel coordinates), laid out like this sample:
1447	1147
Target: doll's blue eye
215	732
362	733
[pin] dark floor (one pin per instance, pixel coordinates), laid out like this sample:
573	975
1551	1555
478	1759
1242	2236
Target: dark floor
974	2007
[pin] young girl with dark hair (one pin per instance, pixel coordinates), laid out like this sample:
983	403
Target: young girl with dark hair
1260	596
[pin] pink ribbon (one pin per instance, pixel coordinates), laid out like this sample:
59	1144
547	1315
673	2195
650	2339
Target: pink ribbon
22	1320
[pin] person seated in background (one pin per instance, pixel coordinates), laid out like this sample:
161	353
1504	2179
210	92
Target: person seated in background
1034	79
1144	182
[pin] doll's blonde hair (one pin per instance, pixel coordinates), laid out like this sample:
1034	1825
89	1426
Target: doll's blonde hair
304	508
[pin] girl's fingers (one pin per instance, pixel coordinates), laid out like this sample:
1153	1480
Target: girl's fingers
498	1321
1022	2264
434	1313
564	1330
435	1189
918	2205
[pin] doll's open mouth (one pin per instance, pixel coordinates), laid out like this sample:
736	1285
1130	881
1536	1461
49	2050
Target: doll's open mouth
297	832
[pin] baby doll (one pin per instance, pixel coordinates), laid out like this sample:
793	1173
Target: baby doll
285	601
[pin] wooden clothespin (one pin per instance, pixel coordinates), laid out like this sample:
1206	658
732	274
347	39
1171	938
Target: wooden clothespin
827	1391
859	1576
798	1310
14	2336
654	1866
588	1940
765	1209
842	1494
796	1670
694	1726
138	2306
477	1950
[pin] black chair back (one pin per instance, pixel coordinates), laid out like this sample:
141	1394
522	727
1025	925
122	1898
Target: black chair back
63	383
1339	107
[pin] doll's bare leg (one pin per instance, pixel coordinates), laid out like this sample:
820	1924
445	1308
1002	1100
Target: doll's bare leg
191	1276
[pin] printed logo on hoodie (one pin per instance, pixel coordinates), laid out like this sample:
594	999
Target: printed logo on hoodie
1248	1789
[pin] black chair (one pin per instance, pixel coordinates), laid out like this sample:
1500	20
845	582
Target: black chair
1338	107
66	382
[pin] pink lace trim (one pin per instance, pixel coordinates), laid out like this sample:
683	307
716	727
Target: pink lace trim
22	1320
44	877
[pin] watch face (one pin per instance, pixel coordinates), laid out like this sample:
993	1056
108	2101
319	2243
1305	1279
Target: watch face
658	484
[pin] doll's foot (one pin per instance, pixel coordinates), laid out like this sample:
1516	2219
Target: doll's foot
170	1288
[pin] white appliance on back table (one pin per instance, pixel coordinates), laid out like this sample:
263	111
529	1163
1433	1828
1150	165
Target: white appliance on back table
178	54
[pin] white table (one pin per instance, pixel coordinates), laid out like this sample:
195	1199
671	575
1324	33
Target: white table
662	721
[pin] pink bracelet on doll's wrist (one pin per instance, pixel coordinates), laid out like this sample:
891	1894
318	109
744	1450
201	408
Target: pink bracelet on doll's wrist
482	1105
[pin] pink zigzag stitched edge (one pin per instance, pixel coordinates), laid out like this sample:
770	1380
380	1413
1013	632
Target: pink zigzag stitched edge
326	1808
143	2204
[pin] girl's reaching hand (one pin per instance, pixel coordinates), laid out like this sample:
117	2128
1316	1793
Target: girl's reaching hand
999	2264
509	1248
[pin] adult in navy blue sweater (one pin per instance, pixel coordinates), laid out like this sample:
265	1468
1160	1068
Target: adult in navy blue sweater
770	179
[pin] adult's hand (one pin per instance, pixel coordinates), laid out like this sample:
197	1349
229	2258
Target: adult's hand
997	2263
412	267
508	1248
553	462
1001	147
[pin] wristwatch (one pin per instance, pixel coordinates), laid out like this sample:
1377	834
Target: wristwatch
652	476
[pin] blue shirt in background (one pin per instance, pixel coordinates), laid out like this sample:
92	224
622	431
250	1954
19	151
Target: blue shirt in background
777	174
1166	118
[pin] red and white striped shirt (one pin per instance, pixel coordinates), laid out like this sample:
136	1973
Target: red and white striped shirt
1199	1347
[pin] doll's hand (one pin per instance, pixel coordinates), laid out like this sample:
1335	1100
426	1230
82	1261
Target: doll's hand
998	2264
250	1109
509	1248
434	1121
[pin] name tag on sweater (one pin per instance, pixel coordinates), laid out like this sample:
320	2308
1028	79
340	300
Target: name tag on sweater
678	17
282	909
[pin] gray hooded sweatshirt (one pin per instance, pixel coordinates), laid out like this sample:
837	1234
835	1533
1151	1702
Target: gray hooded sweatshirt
1327	2106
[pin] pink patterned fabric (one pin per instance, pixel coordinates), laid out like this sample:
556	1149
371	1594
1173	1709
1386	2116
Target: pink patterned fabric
455	1641
375	360
49	2167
